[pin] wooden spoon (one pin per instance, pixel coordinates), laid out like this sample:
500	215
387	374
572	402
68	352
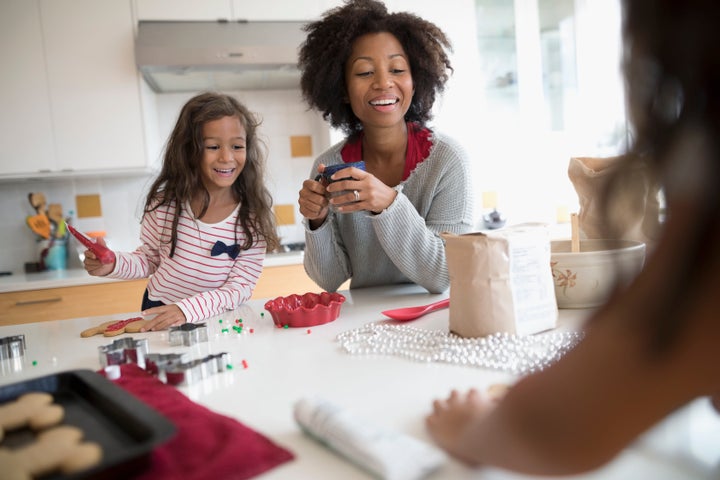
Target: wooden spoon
574	233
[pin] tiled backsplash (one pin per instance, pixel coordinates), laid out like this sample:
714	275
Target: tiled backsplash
122	198
121	206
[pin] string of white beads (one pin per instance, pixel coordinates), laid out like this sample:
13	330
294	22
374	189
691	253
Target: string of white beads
500	351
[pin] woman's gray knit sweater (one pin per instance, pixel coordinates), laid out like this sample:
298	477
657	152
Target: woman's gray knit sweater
402	244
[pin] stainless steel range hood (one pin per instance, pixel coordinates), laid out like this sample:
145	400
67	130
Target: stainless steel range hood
195	56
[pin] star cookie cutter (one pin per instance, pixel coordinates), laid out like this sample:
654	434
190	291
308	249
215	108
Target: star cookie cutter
124	350
191	372
188	334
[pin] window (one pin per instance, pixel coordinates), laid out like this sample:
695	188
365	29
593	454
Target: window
551	89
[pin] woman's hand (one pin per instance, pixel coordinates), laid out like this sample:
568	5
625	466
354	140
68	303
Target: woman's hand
452	420
94	266
166	316
364	191
313	201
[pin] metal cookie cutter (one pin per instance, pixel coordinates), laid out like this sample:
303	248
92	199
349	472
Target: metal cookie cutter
191	372
188	334
124	350
158	363
12	347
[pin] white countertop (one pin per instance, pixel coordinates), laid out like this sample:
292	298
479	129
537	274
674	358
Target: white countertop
77	277
49	279
392	392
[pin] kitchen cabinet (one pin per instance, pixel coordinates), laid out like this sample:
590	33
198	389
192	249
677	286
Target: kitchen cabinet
281	10
231	9
183	10
70	302
25	127
70	88
94	84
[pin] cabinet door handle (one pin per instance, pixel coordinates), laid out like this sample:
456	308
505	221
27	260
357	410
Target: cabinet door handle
42	300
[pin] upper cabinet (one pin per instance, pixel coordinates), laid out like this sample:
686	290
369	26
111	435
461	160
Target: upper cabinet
281	9
70	89
183	9
231	10
26	132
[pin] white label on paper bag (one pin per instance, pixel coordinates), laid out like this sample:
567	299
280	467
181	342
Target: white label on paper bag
532	288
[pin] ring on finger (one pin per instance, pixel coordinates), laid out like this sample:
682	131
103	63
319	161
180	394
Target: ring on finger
357	195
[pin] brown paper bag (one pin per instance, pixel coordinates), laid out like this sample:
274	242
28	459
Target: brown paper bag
633	205
501	281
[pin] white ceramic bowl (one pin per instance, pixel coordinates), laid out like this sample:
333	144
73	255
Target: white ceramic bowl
586	278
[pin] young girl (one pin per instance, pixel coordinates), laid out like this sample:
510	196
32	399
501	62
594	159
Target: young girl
375	75
207	221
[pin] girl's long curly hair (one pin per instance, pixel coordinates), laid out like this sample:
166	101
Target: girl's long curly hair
180	179
328	46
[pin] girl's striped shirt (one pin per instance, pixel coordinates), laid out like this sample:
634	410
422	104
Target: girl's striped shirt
200	284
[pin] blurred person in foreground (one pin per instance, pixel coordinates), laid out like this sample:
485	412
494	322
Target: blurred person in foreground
655	346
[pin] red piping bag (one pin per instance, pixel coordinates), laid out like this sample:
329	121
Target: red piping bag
104	254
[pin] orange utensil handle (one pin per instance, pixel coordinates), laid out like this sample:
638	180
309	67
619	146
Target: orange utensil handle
104	254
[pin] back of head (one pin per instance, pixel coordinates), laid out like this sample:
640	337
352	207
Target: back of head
673	71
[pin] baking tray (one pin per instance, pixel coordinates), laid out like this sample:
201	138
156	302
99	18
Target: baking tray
126	428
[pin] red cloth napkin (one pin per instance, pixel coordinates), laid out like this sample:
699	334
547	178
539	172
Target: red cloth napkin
207	445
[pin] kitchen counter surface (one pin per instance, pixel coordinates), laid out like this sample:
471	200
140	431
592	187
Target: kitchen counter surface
77	277
49	279
284	365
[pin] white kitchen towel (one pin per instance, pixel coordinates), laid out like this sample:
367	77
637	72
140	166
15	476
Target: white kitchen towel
387	454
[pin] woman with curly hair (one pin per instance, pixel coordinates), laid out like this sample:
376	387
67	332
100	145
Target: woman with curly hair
375	75
208	218
653	348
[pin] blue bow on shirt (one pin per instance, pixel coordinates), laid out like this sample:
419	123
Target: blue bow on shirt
219	248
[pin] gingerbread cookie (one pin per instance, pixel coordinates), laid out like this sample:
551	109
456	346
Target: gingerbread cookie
59	449
35	409
116	327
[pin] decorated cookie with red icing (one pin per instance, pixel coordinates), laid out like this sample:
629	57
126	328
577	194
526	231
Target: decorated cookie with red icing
116	327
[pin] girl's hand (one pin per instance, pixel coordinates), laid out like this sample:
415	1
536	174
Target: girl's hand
451	421
372	194
94	266
313	201
166	316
